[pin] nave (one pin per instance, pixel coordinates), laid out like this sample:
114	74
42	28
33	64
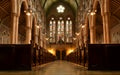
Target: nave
60	67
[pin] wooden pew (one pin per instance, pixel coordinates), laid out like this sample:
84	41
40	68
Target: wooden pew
104	56
15	57
23	56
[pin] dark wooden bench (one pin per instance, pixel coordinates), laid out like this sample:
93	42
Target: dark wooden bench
22	56
15	57
104	56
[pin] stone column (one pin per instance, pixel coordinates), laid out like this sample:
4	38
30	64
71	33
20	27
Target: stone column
39	37
35	31
14	31
106	28
106	22
86	30
36	34
28	30
107	17
92	29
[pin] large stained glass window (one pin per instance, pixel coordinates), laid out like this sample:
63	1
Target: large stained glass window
68	30
60	30
52	25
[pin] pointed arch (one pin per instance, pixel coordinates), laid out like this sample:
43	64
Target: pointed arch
96	3
22	22
24	3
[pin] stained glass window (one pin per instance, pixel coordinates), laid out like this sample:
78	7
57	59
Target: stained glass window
60	30
68	30
52	25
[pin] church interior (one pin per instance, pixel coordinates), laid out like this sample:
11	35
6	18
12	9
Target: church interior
59	36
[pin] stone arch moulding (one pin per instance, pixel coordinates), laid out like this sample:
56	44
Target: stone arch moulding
25	4
96	4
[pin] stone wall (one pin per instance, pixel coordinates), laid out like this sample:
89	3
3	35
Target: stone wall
4	34
115	34
99	39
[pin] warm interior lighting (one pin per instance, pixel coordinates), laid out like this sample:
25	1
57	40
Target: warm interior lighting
47	38
68	18
83	26
74	38
28	11
38	26
77	33
92	13
52	51
69	51
60	9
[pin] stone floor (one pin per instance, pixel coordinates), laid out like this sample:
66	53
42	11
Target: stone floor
60	68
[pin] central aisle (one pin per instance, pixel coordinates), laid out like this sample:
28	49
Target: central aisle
60	68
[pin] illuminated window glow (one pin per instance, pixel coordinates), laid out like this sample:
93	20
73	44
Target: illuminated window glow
60	29
60	9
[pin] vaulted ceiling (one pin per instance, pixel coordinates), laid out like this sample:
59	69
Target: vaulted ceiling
46	4
5	10
115	12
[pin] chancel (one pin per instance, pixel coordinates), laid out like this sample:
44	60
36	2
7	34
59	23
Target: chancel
63	37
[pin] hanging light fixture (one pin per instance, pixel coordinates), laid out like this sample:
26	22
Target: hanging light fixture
91	11
29	11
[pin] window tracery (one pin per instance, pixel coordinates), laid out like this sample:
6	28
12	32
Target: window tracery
60	29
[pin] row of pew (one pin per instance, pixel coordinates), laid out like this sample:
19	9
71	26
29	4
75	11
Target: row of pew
23	56
97	56
79	56
41	56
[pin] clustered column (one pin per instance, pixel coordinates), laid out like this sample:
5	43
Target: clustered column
92	29
28	30
14	33
106	22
